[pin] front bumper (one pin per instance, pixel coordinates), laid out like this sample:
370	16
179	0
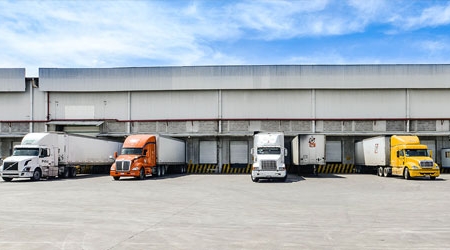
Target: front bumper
268	174
16	174
132	173
424	172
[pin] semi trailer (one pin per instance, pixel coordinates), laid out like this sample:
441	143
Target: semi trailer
308	152
149	155
56	154
396	155
268	157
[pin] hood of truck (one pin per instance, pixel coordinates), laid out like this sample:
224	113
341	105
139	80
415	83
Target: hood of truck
418	160
20	160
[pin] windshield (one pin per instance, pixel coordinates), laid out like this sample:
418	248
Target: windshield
269	151
416	152
131	151
26	152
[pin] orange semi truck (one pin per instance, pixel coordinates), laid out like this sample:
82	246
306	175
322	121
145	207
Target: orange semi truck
149	155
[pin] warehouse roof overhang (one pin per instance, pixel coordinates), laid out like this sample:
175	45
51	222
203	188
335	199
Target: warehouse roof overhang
76	123
241	77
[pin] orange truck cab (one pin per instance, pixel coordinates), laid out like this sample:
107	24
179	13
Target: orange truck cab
146	155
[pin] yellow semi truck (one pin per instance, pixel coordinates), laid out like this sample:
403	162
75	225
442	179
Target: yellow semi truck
399	155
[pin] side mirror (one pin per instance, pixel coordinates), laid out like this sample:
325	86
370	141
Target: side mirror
252	151
285	152
115	155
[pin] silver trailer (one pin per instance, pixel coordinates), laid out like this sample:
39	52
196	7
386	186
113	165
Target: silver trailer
170	151
308	152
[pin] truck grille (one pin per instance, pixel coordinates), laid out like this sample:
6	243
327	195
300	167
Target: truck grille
123	165
426	164
269	165
7	166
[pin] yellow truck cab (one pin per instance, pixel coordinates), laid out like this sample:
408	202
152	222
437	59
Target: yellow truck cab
409	158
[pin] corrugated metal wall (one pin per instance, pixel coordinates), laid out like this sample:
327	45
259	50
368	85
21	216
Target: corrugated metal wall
12	80
246	77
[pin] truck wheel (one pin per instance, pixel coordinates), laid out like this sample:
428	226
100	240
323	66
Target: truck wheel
142	174
36	175
158	171
116	178
406	174
284	179
380	171
72	172
386	172
7	179
65	173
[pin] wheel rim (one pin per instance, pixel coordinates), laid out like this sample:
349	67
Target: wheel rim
36	175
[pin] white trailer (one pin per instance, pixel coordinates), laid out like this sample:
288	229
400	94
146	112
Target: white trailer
268	157
445	158
170	151
308	152
56	155
373	151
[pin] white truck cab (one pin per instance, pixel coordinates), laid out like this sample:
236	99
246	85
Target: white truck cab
268	157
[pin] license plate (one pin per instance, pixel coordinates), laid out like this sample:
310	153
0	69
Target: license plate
427	176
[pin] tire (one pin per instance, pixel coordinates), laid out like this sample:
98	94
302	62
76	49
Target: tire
36	175
406	174
116	178
386	172
432	177
283	179
380	171
254	179
7	179
72	172
163	170
142	174
158	171
65	173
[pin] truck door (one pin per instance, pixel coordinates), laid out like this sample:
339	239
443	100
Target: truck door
44	158
151	154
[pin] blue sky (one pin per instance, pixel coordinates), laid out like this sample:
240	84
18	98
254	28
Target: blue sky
83	34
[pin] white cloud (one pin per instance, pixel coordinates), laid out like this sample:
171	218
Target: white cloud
142	33
411	17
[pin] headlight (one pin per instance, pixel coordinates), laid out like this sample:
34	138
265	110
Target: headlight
113	167
415	167
27	169
135	168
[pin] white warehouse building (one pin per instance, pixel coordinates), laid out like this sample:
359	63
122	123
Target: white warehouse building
217	109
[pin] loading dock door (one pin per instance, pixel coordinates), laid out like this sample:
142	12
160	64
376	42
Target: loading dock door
431	145
239	152
208	152
333	151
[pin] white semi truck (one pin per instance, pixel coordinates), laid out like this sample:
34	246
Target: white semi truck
268	157
308	152
56	155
